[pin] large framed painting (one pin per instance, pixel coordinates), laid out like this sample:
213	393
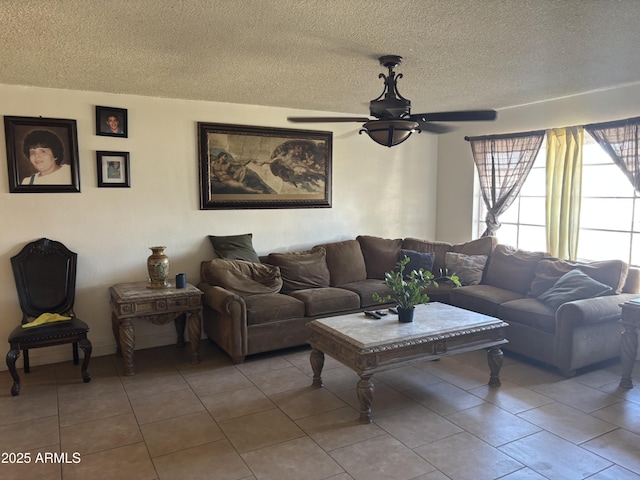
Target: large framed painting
42	155
262	167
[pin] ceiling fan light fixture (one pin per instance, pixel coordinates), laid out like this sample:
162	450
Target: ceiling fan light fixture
389	132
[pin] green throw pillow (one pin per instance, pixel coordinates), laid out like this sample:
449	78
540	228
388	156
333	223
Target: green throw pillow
573	285
235	247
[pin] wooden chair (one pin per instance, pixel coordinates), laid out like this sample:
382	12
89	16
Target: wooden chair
45	275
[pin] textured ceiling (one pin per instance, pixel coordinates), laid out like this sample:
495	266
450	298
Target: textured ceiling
322	54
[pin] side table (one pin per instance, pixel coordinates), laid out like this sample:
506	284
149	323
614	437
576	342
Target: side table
158	306
631	324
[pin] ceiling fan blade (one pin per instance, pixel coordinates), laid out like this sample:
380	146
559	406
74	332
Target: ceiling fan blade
327	119
435	127
460	116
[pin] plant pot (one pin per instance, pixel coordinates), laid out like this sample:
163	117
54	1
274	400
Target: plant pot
405	315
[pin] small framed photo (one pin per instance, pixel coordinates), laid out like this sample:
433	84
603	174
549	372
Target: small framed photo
111	122
42	155
113	169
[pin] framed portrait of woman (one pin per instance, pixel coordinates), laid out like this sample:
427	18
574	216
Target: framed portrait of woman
42	155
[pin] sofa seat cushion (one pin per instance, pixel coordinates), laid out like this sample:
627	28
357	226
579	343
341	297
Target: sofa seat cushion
380	254
512	269
365	290
528	311
345	262
326	301
272	307
301	270
482	298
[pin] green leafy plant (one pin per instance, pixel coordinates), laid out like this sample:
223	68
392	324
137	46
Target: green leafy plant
409	291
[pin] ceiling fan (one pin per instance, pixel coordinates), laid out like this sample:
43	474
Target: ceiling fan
394	122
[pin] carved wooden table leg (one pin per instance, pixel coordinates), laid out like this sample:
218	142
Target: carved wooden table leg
629	352
86	347
115	327
180	323
127	344
495	357
317	363
365	395
194	335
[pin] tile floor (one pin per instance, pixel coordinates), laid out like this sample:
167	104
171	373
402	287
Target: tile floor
263	420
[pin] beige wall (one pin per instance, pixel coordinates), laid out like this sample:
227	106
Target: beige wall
455	162
376	191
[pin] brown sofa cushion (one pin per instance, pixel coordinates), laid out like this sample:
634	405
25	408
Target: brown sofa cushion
272	307
345	262
301	270
468	268
235	247
512	269
241	277
380	254
327	301
479	246
549	270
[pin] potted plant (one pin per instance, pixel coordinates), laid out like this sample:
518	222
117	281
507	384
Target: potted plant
409	290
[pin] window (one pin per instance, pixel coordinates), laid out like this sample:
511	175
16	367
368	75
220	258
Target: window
609	225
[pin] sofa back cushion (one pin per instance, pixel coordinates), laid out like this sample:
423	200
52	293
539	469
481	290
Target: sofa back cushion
425	246
345	262
241	277
573	285
380	254
468	268
479	246
301	270
549	270
512	269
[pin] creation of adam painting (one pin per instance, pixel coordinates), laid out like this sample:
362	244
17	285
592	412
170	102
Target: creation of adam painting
261	167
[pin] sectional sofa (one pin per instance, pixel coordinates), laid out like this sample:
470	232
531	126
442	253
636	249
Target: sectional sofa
560	313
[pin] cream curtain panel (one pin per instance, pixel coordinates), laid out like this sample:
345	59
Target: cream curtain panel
503	163
564	190
620	140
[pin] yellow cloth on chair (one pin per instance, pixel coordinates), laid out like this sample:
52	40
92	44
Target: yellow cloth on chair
46	318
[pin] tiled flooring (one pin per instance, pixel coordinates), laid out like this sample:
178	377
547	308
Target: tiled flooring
263	420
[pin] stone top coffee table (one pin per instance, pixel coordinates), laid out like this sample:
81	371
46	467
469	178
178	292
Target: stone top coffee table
369	345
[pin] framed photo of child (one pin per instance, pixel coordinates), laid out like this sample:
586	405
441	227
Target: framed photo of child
111	122
113	169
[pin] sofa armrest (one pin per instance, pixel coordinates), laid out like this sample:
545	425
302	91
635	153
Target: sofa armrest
219	298
224	320
592	310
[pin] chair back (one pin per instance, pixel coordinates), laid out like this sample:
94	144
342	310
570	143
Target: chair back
45	275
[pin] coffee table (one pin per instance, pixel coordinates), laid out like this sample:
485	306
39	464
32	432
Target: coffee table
369	345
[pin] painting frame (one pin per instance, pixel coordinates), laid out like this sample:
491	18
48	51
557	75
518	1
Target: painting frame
103	124
113	169
61	138
251	167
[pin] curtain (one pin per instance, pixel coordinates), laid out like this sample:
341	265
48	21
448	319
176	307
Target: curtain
503	163
620	140
564	189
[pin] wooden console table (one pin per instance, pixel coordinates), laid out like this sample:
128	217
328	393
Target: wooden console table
158	306
631	324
